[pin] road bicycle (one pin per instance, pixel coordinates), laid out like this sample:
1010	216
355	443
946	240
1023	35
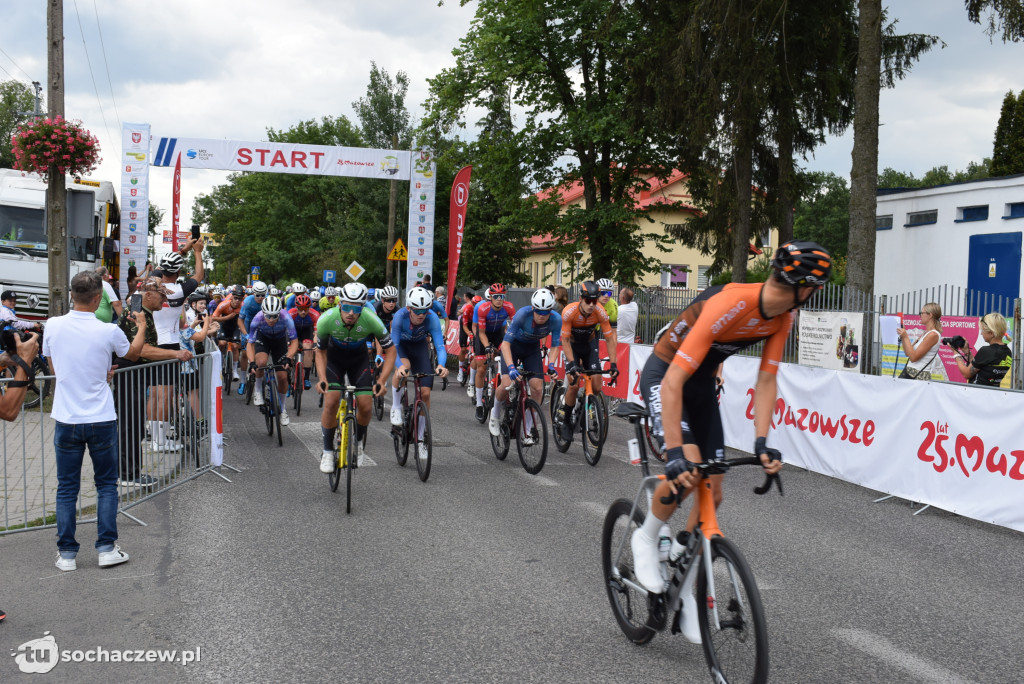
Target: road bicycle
433	361
492	376
227	368
378	402
523	421
271	407
36	391
297	379
730	613
589	416
345	444
416	414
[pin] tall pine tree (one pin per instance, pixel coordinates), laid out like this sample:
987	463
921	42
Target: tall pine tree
1001	163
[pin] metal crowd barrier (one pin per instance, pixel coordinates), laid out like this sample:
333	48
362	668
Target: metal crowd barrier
165	416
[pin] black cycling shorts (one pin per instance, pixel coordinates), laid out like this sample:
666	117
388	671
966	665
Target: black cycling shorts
587	354
165	373
702	421
275	348
228	334
463	338
305	333
348	367
526	352
419	356
495	338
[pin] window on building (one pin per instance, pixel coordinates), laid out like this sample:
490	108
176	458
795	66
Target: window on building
674	275
543	273
979	213
922	218
702	277
1014	210
558	273
883	222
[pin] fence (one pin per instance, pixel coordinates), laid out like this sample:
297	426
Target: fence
154	455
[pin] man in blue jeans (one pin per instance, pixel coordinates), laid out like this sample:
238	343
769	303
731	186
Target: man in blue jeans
80	348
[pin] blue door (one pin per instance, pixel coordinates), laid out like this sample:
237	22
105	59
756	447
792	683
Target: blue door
993	271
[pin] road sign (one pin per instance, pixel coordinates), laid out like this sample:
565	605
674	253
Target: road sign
354	270
329	276
398	252
255	270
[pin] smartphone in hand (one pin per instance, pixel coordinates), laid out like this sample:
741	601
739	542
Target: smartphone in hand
195	231
136	303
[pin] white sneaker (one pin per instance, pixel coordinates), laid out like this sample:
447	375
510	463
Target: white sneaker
690	626
235	375
396	416
494	425
327	462
461	375
284	417
257	398
471	391
529	439
422	451
361	459
65	564
115	557
646	563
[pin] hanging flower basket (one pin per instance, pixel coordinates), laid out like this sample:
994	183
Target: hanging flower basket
67	145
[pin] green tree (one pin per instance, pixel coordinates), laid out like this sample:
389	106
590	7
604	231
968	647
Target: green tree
938	175
563	64
822	213
1005	17
156	217
1007	127
15	97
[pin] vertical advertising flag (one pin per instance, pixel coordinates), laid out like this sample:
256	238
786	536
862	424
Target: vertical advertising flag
176	203
422	185
134	199
456	225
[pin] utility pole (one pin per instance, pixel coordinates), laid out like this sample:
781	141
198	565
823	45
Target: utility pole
56	190
391	219
37	112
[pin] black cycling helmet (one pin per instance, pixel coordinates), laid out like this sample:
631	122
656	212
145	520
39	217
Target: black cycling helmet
197	296
589	290
801	263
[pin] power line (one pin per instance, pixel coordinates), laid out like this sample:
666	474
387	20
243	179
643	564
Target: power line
106	65
92	75
15	64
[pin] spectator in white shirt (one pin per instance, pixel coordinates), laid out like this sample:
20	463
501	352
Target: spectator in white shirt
628	314
80	348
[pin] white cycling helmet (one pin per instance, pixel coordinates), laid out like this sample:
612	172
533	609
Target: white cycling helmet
387	292
542	300
419	298
298	288
172	262
218	291
274	292
330	292
605	284
259	288
487	294
271	306
354	293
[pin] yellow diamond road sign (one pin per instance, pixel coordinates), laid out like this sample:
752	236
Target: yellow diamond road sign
398	252
354	270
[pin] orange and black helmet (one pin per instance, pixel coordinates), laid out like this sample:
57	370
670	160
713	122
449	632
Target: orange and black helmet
801	263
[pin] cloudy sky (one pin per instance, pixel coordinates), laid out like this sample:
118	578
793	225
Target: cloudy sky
231	69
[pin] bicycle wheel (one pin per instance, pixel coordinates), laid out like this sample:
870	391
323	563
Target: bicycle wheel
501	443
226	372
653	444
400	436
532	443
557	401
736	647
267	408
298	387
593	428
423	462
341	440
276	411
625	593
250	383
557	392
350	459
378	407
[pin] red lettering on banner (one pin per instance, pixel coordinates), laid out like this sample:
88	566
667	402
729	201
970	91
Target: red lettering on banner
854	430
636	383
278	159
750	406
244	156
968	452
263	157
316	158
298	159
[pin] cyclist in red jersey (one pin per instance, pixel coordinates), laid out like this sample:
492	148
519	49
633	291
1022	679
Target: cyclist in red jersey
305	318
678	384
580	320
465	335
227	314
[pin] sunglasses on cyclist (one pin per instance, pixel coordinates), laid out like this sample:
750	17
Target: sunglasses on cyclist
420	312
259	296
271	317
390	300
606	293
351	308
542	314
497	298
590	300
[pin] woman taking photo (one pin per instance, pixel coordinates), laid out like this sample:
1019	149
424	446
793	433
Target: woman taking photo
922	355
991	363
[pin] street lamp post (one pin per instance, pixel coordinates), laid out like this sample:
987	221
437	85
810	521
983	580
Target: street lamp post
579	255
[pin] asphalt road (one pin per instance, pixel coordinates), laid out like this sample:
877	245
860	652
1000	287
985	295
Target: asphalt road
486	573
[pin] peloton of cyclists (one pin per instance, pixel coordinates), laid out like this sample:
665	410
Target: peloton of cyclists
272	336
305	321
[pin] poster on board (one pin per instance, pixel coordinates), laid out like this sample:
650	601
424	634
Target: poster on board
831	339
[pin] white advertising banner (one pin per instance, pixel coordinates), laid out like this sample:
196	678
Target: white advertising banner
422	187
134	199
216	385
934	443
298	158
831	339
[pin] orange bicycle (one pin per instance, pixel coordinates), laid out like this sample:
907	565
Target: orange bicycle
731	616
589	416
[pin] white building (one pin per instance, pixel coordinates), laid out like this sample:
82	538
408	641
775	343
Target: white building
967	235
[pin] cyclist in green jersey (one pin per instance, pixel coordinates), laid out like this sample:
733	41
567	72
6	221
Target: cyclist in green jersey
341	333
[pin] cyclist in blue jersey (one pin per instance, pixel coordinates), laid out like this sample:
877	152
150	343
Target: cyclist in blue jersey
409	330
490	318
294	291
272	335
250	307
529	327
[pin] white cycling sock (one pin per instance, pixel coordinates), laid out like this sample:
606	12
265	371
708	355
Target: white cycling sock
479	396
529	420
498	405
259	386
472	375
651	527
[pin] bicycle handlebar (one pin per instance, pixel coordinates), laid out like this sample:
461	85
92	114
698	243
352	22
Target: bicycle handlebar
717	467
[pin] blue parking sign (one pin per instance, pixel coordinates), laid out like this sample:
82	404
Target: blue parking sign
329	276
